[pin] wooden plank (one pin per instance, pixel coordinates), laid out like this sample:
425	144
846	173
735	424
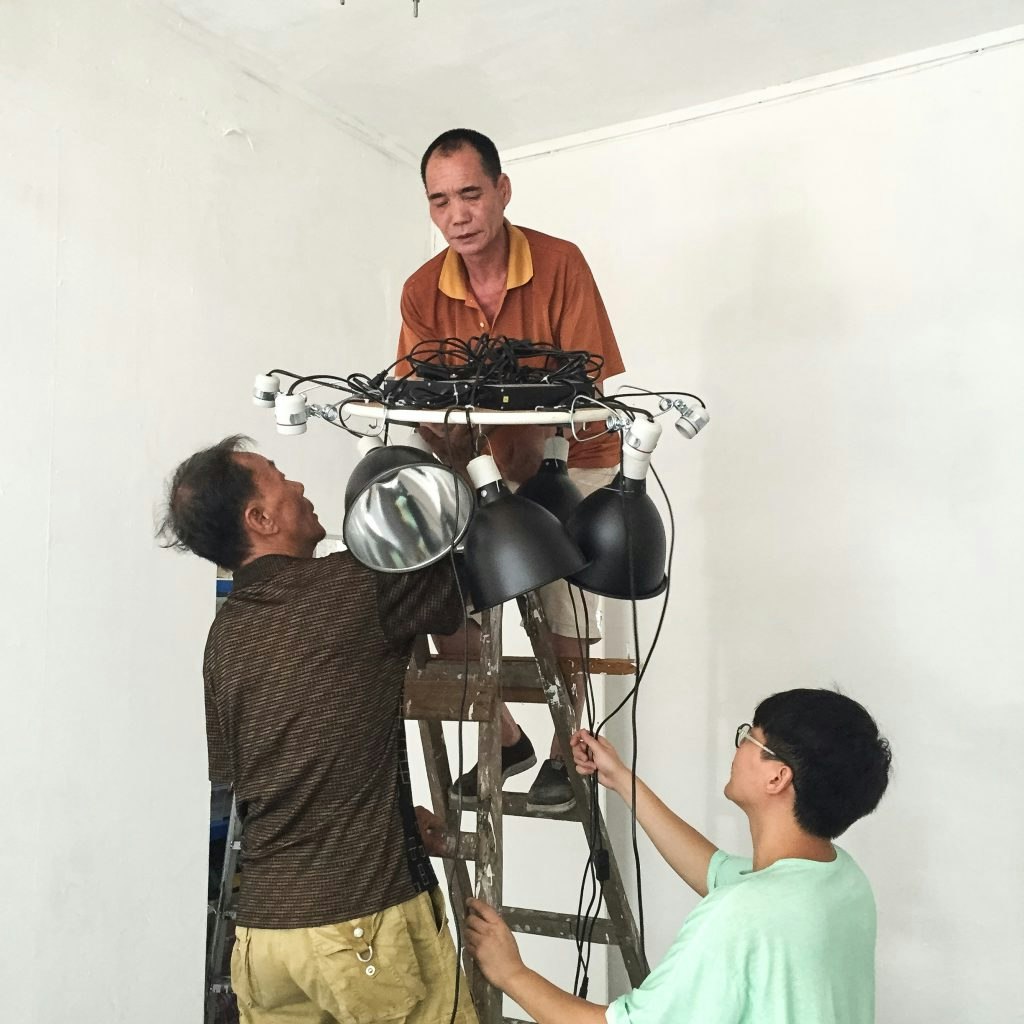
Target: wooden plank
598	666
556	926
518	671
435	689
448	701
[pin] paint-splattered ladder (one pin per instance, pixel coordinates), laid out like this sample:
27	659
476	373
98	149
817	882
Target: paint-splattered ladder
436	691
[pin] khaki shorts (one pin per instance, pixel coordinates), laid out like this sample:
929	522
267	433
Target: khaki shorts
396	966
555	597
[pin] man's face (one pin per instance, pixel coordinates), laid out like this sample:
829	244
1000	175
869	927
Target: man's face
467	207
284	507
749	770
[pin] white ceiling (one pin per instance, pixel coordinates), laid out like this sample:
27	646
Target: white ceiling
529	70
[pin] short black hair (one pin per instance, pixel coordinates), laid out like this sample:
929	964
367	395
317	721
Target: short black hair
455	139
206	501
840	762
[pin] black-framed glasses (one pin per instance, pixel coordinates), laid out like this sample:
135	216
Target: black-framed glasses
743	733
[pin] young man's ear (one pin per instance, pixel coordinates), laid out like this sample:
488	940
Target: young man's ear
781	780
258	521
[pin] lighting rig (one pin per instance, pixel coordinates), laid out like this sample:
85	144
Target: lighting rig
405	510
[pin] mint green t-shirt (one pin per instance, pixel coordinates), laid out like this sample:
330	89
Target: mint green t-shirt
793	943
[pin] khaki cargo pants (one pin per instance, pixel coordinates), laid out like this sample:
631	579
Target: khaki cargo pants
395	966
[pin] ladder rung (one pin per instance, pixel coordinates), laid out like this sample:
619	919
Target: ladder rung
556	926
514	804
437	691
467	846
599	666
520	671
446	700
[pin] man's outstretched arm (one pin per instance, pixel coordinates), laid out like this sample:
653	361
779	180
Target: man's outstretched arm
492	945
685	850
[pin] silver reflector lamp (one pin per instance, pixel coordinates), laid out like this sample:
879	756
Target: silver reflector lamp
403	509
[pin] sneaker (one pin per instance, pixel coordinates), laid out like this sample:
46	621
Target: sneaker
520	757
551	790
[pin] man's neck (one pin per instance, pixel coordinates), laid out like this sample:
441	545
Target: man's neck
488	270
270	549
774	841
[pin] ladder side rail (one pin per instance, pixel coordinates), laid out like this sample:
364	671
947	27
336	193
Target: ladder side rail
489	879
439	781
215	955
563	715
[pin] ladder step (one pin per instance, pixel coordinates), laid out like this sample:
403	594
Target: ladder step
514	804
437	690
556	926
444	700
466	846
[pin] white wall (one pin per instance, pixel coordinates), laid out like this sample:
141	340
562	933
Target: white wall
153	259
840	275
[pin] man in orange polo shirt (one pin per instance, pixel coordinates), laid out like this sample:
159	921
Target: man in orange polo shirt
498	279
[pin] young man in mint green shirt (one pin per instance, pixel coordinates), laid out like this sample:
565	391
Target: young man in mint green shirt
783	938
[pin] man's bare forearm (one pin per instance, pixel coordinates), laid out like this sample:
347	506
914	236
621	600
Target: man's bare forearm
548	1004
685	850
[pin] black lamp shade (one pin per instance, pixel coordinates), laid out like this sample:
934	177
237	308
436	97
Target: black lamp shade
514	546
404	510
551	488
608	525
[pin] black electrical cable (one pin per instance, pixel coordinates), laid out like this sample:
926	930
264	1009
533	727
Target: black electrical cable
663	394
636	692
581	931
324	380
461	757
641	672
486	360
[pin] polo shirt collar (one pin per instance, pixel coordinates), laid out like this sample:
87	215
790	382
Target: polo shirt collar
453	283
260	569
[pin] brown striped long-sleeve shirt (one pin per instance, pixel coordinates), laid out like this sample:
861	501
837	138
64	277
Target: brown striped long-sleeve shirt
304	671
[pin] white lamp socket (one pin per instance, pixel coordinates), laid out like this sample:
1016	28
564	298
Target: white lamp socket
637	446
419	442
290	413
367	444
556	447
264	389
692	419
483	470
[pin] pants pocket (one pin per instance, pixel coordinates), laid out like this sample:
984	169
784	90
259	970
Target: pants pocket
370	967
440	908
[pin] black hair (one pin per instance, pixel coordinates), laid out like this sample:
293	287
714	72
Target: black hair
455	139
206	501
839	761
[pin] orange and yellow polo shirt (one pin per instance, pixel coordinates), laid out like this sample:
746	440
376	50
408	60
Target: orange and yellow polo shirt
551	296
